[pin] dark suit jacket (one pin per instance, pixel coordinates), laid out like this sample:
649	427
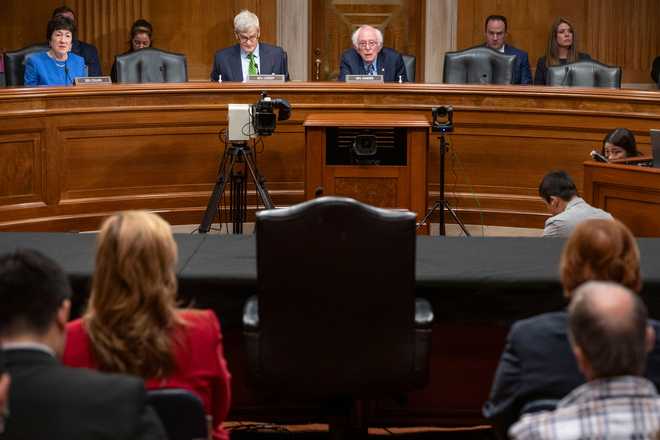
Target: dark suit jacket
655	70
90	54
537	363
390	65
521	70
50	401
227	62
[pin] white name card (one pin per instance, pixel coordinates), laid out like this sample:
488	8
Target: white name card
266	78
364	78
92	80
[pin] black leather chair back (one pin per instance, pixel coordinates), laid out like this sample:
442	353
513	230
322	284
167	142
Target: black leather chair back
181	412
478	65
336	298
151	66
585	74
411	64
15	63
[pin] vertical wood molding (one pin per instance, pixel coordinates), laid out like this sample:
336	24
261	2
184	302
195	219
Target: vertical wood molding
293	35
440	36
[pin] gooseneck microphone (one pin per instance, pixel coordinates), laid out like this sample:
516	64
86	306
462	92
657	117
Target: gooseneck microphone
567	71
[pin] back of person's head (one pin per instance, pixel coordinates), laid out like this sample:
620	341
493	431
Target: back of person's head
32	290
58	23
608	324
559	184
603	250
552	49
132	307
623	138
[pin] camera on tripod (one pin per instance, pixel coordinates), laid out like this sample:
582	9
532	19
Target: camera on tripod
443	119
246	121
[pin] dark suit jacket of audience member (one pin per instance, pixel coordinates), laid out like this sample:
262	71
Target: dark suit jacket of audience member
90	54
537	363
521	71
49	400
655	70
390	65
542	70
227	62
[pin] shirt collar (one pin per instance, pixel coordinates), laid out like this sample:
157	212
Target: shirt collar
244	54
28	346
600	389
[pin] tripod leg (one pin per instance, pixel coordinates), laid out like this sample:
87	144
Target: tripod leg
259	181
456	218
238	205
218	190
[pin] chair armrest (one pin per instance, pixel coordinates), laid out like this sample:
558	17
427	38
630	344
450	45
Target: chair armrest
251	313
423	313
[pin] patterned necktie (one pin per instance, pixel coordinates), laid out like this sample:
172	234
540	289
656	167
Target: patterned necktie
371	70
252	67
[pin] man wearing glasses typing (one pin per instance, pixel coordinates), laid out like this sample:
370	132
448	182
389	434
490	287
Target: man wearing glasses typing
249	56
369	57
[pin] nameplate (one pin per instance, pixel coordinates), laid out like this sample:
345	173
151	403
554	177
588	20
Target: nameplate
364	78
92	80
266	78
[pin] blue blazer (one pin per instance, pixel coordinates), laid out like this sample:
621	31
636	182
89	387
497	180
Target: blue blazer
390	65
42	70
227	62
521	71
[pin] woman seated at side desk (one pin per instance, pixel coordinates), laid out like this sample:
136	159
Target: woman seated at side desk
58	66
620	144
561	49
140	37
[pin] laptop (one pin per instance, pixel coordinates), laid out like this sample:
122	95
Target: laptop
655	147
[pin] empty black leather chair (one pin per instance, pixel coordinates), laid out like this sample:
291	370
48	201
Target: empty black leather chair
181	412
15	63
585	74
151	66
336	319
478	65
411	64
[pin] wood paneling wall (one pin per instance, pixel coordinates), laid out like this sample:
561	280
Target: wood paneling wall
623	33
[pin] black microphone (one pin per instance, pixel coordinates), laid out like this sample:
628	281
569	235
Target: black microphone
256	65
67	79
163	69
567	70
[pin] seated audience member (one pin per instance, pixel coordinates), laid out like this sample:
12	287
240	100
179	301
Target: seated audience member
537	362
80	48
132	324
249	56
369	57
48	400
562	49
57	66
496	32
620	144
655	70
140	37
560	196
610	337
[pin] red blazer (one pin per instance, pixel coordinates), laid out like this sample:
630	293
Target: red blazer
200	363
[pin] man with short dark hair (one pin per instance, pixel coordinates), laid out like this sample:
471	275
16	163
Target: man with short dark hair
85	50
610	337
48	400
560	196
495	29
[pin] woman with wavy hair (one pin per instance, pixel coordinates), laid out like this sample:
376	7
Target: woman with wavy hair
537	363
562	49
132	324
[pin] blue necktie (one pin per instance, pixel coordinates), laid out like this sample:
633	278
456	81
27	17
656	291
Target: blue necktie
371	70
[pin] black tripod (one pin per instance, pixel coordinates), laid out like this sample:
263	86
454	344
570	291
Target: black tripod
442	203
235	153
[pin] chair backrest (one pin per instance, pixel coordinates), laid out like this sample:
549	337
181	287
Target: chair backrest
411	64
478	65
181	412
151	66
584	74
15	63
335	281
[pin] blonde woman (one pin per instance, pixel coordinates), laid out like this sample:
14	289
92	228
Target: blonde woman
132	324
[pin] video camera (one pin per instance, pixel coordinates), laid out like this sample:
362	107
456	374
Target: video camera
443	119
246	121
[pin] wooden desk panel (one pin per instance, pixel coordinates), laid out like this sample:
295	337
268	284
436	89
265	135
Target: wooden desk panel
70	156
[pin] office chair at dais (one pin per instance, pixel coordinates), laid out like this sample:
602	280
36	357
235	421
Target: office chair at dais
181	412
411	65
15	63
335	319
478	65
587	73
151	65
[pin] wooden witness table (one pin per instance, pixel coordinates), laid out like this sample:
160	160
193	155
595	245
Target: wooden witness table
70	156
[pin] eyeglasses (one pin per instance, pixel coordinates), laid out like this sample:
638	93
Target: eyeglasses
245	38
370	44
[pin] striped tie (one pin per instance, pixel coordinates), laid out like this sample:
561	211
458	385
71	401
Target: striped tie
252	67
371	70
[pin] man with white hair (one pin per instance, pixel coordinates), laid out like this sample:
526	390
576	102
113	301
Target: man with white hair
249	56
369	57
